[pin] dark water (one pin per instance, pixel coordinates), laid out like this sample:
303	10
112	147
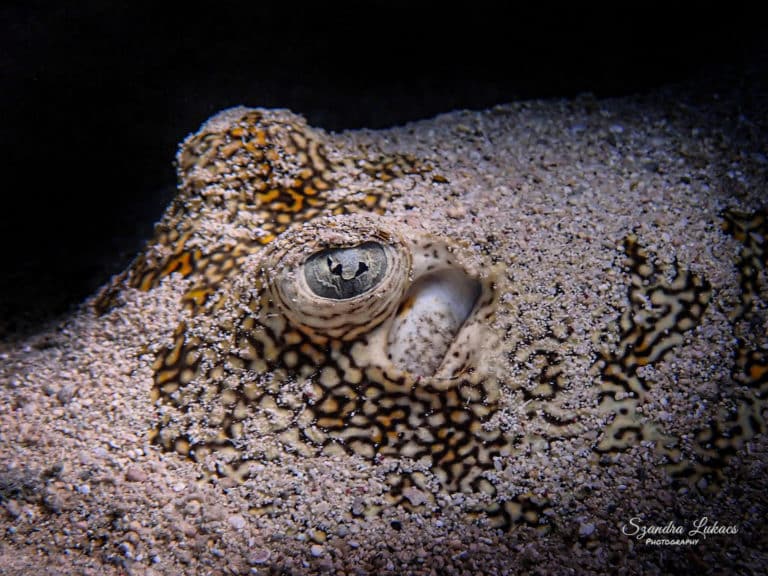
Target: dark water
96	98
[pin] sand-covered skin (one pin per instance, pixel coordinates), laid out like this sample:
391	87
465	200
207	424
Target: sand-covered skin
547	190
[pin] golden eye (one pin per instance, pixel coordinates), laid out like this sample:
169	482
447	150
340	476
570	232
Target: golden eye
343	273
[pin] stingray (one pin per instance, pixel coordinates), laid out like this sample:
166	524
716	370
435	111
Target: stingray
316	318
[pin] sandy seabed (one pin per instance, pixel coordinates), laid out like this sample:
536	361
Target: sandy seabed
551	189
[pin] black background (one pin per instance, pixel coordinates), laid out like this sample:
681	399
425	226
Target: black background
96	97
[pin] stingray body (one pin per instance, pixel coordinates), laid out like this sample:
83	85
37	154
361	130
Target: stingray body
316	319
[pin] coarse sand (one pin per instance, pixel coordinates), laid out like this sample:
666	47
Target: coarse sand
549	189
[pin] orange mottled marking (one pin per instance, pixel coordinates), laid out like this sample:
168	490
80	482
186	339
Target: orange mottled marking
197	296
165	376
269	195
757	371
147	282
298	201
181	263
228	150
320	184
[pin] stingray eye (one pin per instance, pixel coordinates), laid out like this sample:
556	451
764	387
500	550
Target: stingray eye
342	273
339	278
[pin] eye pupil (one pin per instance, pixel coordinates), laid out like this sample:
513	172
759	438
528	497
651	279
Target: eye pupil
342	273
335	269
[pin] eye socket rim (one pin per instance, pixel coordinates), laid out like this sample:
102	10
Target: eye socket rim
319	317
379	277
